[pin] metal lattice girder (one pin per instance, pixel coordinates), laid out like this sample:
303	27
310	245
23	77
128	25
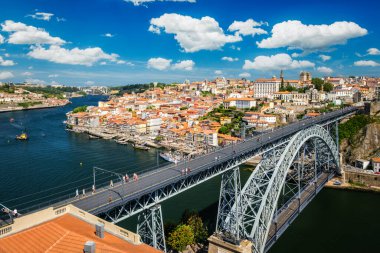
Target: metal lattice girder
151	229
230	192
260	194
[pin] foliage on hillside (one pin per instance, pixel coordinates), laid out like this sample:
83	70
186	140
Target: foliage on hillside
7	88
80	109
350	128
50	91
137	88
29	104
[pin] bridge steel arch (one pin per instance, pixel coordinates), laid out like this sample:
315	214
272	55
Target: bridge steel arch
261	193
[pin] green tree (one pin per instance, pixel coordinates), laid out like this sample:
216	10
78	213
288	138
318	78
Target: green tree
224	130
80	109
199	230
328	87
181	236
318	82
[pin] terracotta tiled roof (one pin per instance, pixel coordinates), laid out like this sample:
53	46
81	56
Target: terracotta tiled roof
67	234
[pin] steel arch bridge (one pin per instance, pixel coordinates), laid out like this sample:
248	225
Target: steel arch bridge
248	213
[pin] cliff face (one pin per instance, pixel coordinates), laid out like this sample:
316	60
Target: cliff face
363	145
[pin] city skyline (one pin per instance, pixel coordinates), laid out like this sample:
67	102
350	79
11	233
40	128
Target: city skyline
120	41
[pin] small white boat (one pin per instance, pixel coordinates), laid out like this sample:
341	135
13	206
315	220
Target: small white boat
170	157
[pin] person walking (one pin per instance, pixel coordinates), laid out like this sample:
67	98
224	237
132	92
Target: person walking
111	183
93	189
77	193
84	192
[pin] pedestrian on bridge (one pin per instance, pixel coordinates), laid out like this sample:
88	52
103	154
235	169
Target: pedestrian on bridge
183	172
111	183
77	193
135	177
93	189
84	192
126	178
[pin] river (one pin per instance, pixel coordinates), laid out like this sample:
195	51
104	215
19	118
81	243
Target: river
54	163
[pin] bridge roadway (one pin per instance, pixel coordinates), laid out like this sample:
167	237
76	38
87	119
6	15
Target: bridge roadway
107	198
287	214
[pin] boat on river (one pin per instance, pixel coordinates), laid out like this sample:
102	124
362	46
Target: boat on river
170	157
22	137
142	147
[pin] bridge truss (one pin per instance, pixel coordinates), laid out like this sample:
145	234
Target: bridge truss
283	176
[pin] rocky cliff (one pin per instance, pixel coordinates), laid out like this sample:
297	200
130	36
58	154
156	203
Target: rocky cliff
363	145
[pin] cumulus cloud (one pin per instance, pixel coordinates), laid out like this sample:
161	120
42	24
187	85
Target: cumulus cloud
324	57
6	63
245	75
184	65
249	27
74	56
140	2
276	62
53	75
1	39
366	64
325	70
294	34
373	51
230	59
235	47
42	16
89	82
24	34
193	34
218	72
159	63
6	75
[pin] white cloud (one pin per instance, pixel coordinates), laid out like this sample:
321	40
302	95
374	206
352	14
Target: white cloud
245	75
24	34
373	51
60	19
35	81
295	55
325	70
109	35
184	65
53	75
140	2
235	48
74	56
325	57
159	63
42	16
218	72
230	59
6	75
294	34
276	62
90	83
6	63
366	64
27	73
1	39
7	55
193	34
248	27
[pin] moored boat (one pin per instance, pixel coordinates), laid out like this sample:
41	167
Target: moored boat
170	157
142	147
22	137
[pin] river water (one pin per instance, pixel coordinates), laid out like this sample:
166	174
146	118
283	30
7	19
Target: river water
53	163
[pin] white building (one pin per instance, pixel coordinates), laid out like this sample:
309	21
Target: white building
264	88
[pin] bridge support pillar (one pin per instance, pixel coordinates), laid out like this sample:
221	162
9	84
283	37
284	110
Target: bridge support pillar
217	245
151	229
229	209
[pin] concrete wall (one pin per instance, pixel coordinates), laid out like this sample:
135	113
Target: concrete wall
363	178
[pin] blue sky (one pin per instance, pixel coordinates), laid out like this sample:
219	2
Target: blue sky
116	42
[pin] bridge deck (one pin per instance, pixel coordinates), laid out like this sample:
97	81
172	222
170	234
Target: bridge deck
107	198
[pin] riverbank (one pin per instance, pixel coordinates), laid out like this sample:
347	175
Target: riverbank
125	138
34	107
351	186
